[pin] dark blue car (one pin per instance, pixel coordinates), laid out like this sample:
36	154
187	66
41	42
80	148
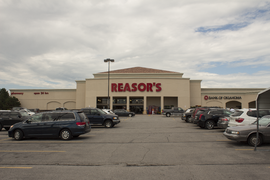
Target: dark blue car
63	124
98	117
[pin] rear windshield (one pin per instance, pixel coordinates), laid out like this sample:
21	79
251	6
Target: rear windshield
199	112
237	113
82	117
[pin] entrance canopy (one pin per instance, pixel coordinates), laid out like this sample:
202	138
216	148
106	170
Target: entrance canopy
262	102
263	99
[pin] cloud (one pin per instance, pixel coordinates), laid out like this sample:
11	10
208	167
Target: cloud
50	44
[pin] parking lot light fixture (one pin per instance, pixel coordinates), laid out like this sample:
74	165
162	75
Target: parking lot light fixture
108	60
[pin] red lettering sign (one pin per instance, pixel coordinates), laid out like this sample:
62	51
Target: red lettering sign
134	87
126	88
13	93
120	87
149	87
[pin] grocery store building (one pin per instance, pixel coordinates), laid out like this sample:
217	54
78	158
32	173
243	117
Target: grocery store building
139	90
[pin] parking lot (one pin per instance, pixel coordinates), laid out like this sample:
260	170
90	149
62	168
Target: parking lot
140	147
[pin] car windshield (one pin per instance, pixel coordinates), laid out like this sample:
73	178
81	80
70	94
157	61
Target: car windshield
237	113
264	121
101	112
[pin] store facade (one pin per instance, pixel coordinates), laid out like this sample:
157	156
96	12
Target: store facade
139	90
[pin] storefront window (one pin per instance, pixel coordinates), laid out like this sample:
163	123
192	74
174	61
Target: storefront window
136	101
119	101
102	100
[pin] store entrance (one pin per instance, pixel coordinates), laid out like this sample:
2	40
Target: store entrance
137	109
119	107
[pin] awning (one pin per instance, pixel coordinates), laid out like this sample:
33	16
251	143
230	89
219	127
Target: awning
262	102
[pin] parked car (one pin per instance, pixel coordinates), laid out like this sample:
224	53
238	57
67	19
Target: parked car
108	111
60	109
98	117
223	122
248	133
63	124
123	112
243	117
198	115
210	117
174	111
8	118
35	110
30	113
22	109
17	108
196	110
186	116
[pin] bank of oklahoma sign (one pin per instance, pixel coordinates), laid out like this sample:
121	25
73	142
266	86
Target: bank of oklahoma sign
221	97
149	87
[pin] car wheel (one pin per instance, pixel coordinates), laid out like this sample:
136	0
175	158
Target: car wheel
65	134
209	124
1	127
130	115
108	124
18	135
168	115
7	128
252	140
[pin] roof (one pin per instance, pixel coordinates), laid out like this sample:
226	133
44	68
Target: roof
139	70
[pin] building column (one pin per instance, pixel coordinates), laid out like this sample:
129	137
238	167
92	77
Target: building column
161	103
111	102
144	105
128	103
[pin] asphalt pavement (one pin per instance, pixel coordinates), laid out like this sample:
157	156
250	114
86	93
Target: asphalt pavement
140	147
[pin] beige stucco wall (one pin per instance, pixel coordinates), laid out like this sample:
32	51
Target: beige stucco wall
173	85
247	95
176	90
80	94
46	99
195	93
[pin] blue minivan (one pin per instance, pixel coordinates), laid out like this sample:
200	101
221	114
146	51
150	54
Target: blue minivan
63	124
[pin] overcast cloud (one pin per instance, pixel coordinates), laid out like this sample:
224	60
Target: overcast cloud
52	43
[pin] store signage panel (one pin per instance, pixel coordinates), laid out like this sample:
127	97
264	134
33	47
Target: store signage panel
221	97
37	93
124	87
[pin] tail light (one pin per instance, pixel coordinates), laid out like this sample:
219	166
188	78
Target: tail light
80	124
200	116
239	120
224	119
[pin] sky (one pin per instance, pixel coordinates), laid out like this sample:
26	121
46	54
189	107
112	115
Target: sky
51	44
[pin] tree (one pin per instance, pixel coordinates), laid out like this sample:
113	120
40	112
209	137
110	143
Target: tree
6	101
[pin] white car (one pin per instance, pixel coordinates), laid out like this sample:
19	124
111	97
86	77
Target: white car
242	117
108	111
27	111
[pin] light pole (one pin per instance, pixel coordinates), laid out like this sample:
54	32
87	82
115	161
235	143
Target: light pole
109	61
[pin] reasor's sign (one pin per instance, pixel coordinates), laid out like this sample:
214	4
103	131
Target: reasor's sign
149	87
221	97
